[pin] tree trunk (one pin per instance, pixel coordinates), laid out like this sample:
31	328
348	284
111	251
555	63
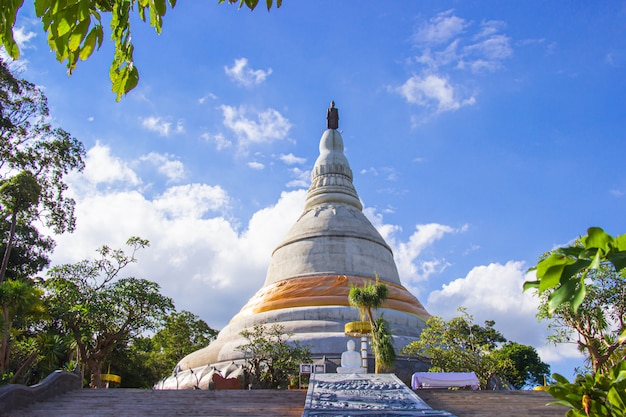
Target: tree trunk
370	316
4	344
27	363
6	328
96	373
7	250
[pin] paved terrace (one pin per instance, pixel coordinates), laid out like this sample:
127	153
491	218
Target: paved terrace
270	403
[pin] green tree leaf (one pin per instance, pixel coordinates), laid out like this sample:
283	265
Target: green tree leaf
598	238
78	34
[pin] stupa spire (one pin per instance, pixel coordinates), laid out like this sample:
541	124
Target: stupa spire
331	178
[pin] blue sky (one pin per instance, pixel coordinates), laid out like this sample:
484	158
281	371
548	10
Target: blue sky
481	134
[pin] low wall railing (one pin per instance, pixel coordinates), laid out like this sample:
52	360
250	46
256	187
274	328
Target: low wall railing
14	396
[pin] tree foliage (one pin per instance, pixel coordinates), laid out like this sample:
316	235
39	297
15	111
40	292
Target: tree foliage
578	282
75	30
99	309
182	334
21	304
35	158
31	147
29	252
270	357
460	345
19	195
528	369
142	361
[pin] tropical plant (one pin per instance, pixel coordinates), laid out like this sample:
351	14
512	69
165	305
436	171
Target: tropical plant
370	297
382	345
566	277
598	395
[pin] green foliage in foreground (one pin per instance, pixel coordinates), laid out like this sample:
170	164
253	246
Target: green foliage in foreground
566	270
566	275
75	30
599	395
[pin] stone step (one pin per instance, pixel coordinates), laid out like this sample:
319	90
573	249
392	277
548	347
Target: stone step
464	403
140	403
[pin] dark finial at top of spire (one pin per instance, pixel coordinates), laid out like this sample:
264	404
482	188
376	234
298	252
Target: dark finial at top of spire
332	117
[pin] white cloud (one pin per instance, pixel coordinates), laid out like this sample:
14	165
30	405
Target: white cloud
243	75
489	28
219	139
440	29
390	173
197	247
103	168
302	178
23	37
408	255
491	52
203	99
256	165
192	201
180	128
433	91
291	159
156	124
174	170
448	44
255	127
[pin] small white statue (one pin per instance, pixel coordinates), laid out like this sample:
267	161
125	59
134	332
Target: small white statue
350	361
